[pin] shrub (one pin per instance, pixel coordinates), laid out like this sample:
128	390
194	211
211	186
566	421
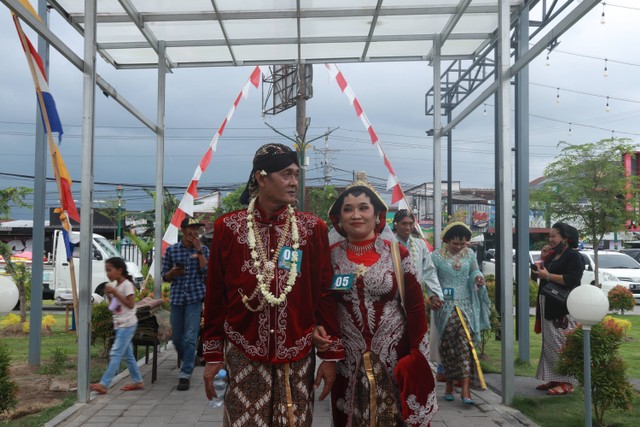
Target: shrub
48	321
621	299
610	388
101	325
10	319
8	388
494	319
58	362
533	293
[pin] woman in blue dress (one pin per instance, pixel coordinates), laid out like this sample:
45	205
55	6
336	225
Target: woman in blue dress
465	311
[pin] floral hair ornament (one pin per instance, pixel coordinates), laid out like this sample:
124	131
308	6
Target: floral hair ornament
263	172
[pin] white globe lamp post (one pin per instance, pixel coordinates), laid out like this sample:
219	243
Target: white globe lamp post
587	305
8	294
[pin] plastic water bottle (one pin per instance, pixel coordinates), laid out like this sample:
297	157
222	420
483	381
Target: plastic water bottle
220	386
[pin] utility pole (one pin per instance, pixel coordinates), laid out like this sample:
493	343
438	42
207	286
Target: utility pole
301	152
119	191
327	168
302	124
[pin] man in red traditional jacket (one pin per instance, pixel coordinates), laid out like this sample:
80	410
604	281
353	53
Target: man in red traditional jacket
268	301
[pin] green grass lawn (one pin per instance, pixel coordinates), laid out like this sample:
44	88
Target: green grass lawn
67	341
630	351
18	347
567	411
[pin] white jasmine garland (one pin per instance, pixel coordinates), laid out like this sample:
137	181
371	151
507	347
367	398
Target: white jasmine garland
267	268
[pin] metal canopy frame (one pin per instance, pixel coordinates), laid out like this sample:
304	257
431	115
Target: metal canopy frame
449	91
133	34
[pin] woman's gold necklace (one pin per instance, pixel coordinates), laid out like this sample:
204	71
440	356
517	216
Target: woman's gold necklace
359	250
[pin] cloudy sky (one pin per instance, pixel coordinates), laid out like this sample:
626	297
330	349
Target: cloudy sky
391	94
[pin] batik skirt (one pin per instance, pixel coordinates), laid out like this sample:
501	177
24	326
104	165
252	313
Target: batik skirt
352	401
258	392
455	352
553	339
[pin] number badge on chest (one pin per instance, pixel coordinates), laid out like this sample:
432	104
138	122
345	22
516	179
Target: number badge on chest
286	257
342	282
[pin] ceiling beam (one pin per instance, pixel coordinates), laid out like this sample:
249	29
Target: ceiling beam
292	40
282	14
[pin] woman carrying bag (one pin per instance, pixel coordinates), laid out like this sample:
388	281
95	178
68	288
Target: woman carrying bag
560	271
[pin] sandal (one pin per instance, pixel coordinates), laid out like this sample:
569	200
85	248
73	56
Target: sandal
546	386
133	386
449	397
467	400
564	389
98	388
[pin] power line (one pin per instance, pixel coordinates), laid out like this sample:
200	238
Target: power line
585	93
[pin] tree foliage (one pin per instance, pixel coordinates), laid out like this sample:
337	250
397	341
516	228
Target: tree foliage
586	185
320	199
21	276
109	209
610	388
170	204
15	196
8	388
231	202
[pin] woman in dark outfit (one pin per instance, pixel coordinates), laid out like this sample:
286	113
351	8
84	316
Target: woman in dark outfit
562	264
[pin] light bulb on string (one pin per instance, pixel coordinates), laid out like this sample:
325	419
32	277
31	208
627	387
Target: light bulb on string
484	112
607	108
602	20
570	133
558	96
547	63
606	70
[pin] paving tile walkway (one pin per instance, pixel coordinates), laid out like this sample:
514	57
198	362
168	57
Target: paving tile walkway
160	404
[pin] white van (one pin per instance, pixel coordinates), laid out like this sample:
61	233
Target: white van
102	250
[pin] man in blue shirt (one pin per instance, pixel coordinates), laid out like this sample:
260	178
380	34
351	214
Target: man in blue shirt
185	266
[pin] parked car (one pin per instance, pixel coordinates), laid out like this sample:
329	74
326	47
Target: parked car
624	268
607	280
489	264
632	252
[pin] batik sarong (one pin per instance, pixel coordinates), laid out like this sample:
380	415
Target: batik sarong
456	354
258	394
553	339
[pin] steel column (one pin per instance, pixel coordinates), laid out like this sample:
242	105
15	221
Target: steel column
83	317
437	145
39	190
158	231
505	190
522	190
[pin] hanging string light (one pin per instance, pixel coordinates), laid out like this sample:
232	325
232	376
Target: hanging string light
558	96
606	70
547	63
570	133
607	108
602	20
484	112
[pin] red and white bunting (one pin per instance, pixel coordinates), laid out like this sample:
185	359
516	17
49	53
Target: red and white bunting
397	195
186	204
